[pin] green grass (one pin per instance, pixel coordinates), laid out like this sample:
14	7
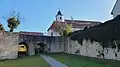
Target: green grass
33	61
81	61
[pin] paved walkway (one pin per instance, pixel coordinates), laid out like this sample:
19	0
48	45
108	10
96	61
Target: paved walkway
52	62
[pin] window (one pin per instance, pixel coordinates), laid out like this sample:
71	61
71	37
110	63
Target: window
60	18
22	46
51	33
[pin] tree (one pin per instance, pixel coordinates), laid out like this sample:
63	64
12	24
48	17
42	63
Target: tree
1	27
63	29
107	33
58	27
67	30
13	22
85	28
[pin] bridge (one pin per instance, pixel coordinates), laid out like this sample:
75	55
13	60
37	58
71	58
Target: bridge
32	39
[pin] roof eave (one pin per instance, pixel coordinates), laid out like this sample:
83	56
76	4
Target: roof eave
114	7
51	26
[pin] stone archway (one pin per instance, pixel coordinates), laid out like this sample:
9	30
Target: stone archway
40	48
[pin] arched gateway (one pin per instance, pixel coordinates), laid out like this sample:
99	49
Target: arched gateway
42	44
40	48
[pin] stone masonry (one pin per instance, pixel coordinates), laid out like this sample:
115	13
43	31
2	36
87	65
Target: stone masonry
8	45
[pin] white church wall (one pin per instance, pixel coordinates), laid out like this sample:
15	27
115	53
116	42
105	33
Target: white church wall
52	33
116	9
76	29
60	18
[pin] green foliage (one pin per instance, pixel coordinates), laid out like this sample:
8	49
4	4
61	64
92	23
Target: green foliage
62	28
67	30
1	27
58	27
13	22
104	33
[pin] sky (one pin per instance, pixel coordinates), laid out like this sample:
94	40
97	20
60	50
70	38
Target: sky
38	15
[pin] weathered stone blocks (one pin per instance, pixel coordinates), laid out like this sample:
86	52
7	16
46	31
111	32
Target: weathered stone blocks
8	45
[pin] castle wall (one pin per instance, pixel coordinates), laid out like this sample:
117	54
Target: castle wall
91	50
8	45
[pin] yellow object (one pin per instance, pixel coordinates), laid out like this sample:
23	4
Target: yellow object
68	29
22	48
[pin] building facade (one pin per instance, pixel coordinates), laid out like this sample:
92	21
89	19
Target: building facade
116	9
76	24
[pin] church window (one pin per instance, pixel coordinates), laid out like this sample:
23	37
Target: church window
60	18
52	34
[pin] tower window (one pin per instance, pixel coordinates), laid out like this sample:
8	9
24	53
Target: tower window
60	18
52	34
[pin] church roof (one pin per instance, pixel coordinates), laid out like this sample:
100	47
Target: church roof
59	13
82	23
76	23
31	33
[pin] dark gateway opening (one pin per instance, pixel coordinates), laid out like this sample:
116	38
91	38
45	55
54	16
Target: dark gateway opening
40	48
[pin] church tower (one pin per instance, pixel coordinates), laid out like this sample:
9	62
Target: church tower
59	16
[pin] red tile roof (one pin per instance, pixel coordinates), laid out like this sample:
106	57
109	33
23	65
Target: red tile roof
76	23
80	23
31	33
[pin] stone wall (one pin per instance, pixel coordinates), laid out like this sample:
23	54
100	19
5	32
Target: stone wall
91	50
53	43
8	45
56	45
